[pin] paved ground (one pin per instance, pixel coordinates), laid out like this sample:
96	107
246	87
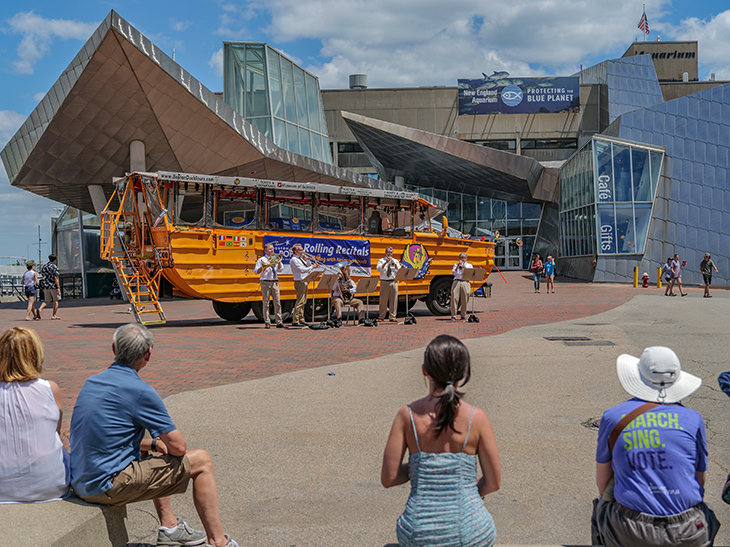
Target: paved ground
196	349
298	455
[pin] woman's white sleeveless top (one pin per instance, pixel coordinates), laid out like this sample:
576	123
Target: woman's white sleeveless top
34	466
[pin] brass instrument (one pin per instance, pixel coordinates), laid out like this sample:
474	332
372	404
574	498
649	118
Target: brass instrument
344	267
272	260
389	268
311	258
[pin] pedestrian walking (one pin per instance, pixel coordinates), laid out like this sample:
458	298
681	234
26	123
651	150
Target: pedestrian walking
550	274
676	275
667	275
536	267
30	285
706	267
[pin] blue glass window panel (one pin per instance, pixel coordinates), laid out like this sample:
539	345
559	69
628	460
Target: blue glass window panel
513	228
277	95
607	229
531	210
327	152
694	215
643	216
440	194
713	241
722	156
704	109
702	240
469	206
484	208
625	234
655	159
718	200
703	128
263	125
711	154
681	126
280	133
304	148
317	147
499	209
301	95
514	210
692	125
604	171
641	175
287	81
682	209
725	226
700	151
292	137
257	95
312	103
622	172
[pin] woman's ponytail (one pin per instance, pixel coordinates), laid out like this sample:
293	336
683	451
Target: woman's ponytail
447	362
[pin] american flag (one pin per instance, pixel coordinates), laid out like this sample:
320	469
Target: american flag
644	23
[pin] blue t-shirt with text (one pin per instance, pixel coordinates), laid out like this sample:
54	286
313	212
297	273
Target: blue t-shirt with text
656	458
112	412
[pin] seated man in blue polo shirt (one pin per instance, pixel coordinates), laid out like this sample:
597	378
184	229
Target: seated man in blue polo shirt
111	415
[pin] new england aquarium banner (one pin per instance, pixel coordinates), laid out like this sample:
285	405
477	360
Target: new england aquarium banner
328	252
500	94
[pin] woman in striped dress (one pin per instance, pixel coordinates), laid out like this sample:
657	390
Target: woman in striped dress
445	438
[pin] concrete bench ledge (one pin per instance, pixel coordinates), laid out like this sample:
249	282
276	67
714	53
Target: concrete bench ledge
63	523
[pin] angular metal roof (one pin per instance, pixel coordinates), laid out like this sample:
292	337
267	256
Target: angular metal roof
121	88
435	161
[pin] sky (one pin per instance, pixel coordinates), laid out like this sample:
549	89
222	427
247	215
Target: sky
397	43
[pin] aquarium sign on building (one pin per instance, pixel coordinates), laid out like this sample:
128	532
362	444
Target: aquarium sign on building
500	94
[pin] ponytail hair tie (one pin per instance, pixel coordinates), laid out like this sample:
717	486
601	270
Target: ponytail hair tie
449	384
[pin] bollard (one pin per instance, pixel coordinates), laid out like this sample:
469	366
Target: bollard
636	276
658	278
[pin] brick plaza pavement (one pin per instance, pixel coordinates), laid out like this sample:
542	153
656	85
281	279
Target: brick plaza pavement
196	349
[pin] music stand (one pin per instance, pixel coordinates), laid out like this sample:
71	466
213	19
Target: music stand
472	274
367	285
407	274
327	282
312	276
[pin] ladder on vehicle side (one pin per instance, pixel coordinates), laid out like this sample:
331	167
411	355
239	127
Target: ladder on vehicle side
139	272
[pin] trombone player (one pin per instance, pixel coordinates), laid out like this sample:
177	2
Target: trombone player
460	289
268	267
301	266
388	268
343	292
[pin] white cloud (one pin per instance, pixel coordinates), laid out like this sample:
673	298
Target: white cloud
39	96
216	62
713	38
432	42
180	26
10	122
39	34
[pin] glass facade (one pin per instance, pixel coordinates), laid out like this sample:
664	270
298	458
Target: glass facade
632	83
276	96
480	216
607	193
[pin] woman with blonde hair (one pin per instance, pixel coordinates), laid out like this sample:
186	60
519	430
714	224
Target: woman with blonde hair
34	466
445	438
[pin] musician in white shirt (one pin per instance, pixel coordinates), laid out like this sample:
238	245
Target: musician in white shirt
388	268
460	288
300	268
270	285
343	292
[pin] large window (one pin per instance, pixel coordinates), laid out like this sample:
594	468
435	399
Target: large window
277	97
607	191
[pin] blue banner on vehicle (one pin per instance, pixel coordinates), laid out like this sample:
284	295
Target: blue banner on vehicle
500	94
328	252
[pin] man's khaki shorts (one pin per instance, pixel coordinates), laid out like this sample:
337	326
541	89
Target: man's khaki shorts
148	479
51	295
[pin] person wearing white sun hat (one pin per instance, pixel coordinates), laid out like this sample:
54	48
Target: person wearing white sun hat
651	459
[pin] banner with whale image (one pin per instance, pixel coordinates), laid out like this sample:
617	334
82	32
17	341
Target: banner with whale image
501	94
